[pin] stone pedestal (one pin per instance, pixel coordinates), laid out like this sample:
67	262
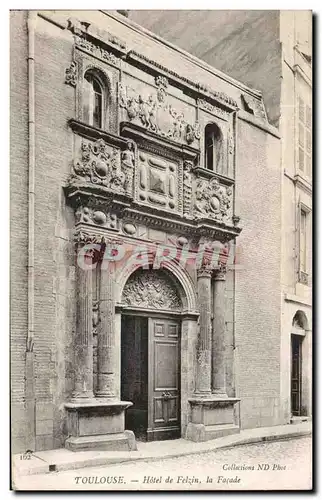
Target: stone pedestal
212	418
98	425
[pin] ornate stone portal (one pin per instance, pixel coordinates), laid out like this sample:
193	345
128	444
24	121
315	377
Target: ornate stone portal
144	183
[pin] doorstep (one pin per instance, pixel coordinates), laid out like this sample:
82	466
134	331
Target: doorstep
43	462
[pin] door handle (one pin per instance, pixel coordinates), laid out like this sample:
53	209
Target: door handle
166	395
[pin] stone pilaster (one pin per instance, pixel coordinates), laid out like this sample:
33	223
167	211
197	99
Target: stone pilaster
106	338
218	336
203	382
83	344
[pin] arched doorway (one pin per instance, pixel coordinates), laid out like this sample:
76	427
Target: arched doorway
299	362
150	354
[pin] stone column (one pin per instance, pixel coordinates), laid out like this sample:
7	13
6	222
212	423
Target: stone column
84	338
203	382
218	335
105	337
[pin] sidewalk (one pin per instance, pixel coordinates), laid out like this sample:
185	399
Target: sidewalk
60	460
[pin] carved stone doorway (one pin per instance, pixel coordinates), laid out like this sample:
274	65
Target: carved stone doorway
150	355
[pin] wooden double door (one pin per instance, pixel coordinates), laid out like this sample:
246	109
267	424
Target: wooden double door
150	376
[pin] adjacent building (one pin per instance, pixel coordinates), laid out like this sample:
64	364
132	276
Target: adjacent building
146	256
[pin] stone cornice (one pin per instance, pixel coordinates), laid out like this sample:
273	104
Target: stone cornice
200	90
203	227
147	215
118	46
95	133
209	174
150	139
193	59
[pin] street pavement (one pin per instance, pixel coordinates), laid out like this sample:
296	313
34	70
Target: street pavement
285	465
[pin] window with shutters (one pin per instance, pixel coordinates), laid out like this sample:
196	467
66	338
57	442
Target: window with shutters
303	245
304	137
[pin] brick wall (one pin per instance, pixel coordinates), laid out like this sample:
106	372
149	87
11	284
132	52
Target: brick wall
19	223
258	303
54	290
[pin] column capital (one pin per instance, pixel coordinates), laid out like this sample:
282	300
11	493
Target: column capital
220	273
204	272
82	238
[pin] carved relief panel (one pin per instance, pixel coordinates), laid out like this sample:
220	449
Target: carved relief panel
155	110
151	290
103	164
159	182
212	199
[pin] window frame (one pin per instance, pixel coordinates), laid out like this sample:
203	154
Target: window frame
214	133
303	271
93	74
304	136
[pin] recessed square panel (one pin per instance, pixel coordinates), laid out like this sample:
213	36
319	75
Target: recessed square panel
159	329
173	331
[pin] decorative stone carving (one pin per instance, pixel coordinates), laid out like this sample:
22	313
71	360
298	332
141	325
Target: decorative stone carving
212	199
231	143
100	164
203	104
187	187
152	290
128	162
156	114
254	106
192	133
71	74
159	182
95	316
129	228
162	83
93	215
200	87
77	27
97	51
83	238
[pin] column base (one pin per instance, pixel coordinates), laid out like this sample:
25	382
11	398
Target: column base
124	441
98	425
212	418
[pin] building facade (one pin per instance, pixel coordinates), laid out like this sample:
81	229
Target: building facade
145	240
271	51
